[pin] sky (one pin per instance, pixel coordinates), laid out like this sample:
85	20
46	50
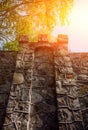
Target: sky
78	29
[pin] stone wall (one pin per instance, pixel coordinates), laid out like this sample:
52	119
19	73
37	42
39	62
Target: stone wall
69	114
32	100
45	76
43	91
80	66
7	68
47	92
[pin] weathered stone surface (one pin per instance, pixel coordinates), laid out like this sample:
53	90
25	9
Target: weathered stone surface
66	89
79	126
85	118
80	66
43	81
62	100
65	115
18	78
20	64
84	102
43	73
77	115
82	77
23	39
7	67
62	52
43	110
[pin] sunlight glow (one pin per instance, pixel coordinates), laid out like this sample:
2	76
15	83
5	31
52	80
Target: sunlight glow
77	31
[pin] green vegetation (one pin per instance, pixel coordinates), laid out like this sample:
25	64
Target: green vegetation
13	46
31	17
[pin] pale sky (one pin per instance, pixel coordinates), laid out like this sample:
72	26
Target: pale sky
78	28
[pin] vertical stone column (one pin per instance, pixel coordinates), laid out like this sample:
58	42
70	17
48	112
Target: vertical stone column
18	109
69	114
43	97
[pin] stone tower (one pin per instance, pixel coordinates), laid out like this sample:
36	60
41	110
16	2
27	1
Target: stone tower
43	93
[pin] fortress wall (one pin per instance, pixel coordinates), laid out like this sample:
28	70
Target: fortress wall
48	89
7	68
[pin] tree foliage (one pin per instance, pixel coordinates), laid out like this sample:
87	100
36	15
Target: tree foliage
11	46
31	17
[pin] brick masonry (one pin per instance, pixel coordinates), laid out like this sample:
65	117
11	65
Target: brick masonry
48	90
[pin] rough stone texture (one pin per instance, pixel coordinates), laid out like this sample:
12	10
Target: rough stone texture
43	109
69	114
32	100
80	66
18	109
49	88
7	67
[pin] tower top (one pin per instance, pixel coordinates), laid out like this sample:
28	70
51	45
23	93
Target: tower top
62	39
24	39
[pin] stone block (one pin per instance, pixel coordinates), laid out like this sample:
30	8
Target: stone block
44	69
36	97
64	69
59	62
85	118
19	56
70	102
60	90
65	115
9	127
77	115
62	101
36	121
24	39
83	102
79	126
28	65
62	52
21	107
62	127
25	95
41	59
71	126
76	103
43	38
20	64
43	51
28	77
45	121
69	76
62	39
28	58
82	77
73	91
43	81
18	78
11	106
69	82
